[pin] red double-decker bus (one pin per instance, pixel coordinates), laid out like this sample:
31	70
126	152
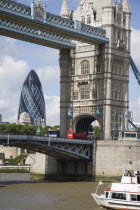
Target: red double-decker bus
82	135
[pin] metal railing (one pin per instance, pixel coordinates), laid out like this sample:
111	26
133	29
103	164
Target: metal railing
40	138
75	26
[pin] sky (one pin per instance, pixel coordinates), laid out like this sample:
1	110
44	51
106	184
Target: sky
17	58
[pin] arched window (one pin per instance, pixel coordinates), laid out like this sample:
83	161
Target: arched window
85	67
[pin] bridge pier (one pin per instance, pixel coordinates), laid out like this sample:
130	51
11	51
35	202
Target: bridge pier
60	168
67	64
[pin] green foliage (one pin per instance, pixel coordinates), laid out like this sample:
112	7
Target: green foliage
17	129
17	160
6	170
96	130
46	128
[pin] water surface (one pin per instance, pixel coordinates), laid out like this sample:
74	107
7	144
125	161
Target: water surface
17	192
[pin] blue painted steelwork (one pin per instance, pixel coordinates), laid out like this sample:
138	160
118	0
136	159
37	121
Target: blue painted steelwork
32	34
135	70
21	14
134	126
56	147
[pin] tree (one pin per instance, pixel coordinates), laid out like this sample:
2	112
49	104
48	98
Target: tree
96	130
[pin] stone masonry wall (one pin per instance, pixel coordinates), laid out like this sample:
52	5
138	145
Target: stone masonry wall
114	156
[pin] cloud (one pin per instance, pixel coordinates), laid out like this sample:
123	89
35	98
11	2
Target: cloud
134	107
49	74
13	72
7	47
134	93
52	110
135	46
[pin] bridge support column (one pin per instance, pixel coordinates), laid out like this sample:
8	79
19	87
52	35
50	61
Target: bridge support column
66	80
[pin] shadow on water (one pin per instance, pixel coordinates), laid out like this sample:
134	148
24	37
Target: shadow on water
16	182
2	186
15	178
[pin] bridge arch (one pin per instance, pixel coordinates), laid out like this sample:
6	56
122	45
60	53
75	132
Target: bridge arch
83	122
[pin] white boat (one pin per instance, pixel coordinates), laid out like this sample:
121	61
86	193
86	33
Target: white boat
123	195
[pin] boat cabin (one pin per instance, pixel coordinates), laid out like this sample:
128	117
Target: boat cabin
128	189
123	195
131	177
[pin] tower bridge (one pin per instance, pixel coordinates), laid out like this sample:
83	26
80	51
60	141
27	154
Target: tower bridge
94	44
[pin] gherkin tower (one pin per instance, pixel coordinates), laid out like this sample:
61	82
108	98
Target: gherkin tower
32	99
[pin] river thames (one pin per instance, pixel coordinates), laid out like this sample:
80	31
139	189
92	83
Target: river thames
17	192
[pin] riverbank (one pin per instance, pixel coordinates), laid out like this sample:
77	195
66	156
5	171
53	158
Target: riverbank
60	177
14	169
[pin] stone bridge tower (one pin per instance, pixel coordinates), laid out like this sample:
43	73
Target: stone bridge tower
94	79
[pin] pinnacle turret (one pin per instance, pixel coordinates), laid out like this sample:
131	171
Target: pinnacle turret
126	7
64	10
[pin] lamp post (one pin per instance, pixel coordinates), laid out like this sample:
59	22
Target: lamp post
8	139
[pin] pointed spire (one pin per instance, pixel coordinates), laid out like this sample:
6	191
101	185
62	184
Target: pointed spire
126	6
64	10
108	3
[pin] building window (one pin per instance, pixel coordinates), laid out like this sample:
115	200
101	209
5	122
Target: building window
119	35
120	95
98	68
83	19
120	70
119	18
95	91
112	94
94	16
85	67
98	63
88	19
115	95
75	95
124	20
85	92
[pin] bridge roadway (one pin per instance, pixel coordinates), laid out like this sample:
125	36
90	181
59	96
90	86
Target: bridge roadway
17	21
60	148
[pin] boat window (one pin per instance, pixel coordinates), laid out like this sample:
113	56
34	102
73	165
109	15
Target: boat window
138	179
135	197
119	196
107	194
138	197
129	173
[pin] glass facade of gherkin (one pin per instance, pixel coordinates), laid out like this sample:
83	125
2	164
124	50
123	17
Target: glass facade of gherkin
32	99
